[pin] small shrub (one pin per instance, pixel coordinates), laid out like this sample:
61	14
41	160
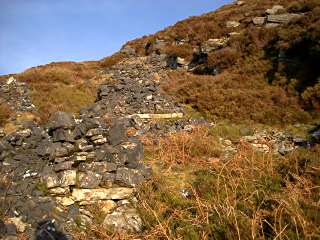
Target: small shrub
183	51
302	6
185	148
62	98
237	96
311	96
223	58
108	62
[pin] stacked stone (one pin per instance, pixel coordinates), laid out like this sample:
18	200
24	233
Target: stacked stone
134	89
16	95
72	163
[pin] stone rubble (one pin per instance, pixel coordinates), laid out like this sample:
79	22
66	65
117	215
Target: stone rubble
265	141
16	95
133	89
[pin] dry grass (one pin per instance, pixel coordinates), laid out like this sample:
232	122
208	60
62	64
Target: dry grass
235	96
183	51
247	196
63	86
251	196
50	99
61	72
5	114
182	148
111	60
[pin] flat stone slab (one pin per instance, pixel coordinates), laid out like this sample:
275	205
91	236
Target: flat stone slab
158	116
80	195
283	18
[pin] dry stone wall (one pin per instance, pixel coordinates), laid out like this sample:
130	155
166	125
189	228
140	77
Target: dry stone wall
71	162
16	95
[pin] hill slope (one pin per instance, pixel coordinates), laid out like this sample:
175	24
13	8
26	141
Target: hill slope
248	63
241	66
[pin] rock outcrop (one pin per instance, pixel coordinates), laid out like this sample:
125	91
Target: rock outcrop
275	16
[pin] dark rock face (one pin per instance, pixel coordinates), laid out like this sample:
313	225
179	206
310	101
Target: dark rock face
315	134
3	229
47	230
172	62
117	134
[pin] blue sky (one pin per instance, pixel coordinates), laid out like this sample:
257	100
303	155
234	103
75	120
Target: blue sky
34	32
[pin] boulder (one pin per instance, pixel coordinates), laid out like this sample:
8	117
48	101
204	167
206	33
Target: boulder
232	24
68	178
83	145
276	9
214	44
131	152
45	148
108	206
11	80
272	25
60	151
50	179
88	179
61	120
62	135
105	153
129	177
259	21
117	134
99	139
80	195
84	220
124	219
181	62
65	201
108	179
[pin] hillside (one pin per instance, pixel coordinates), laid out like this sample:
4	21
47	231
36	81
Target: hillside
261	67
245	72
208	129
